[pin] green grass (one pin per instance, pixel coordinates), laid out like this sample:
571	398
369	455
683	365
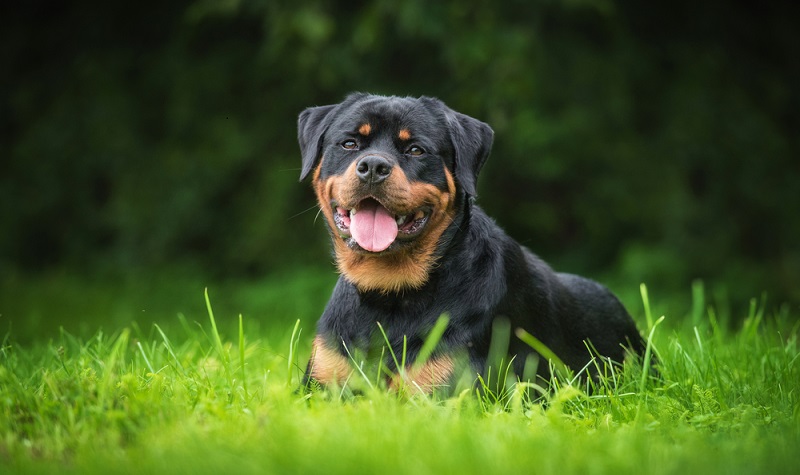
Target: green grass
219	396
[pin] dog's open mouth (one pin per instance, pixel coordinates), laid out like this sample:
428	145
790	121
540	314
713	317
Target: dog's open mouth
374	227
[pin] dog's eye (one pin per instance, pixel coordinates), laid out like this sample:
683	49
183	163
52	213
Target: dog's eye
350	145
415	151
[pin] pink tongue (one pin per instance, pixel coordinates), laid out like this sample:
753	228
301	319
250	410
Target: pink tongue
373	227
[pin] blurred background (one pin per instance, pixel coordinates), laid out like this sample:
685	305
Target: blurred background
142	147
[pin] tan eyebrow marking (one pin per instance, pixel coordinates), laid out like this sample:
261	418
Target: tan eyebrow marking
365	129
404	134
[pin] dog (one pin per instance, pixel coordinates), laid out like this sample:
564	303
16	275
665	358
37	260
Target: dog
395	179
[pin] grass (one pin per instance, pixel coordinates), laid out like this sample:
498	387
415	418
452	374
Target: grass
220	396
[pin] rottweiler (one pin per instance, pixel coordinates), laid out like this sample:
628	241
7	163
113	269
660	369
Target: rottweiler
395	179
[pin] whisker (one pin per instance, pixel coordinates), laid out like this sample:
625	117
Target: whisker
303	212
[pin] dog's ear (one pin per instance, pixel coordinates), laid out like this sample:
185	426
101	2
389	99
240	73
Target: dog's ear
311	126
472	141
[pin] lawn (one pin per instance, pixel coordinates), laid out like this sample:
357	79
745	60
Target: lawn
111	378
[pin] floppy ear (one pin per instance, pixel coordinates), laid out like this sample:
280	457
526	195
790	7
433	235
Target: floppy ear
311	126
472	140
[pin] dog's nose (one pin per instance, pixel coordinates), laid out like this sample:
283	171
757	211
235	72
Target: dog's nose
373	169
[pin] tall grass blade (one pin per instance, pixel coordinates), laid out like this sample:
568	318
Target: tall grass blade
542	349
698	301
358	365
146	359
292	363
168	346
115	355
646	301
215	333
501	338
404	354
432	339
241	354
754	318
389	345
648	355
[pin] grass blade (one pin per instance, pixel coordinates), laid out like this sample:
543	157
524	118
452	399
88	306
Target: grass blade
646	301
293	352
146	359
648	355
168	346
432	340
389	345
223	354
241	354
542	349
698	301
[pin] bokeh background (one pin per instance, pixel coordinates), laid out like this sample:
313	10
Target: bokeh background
635	141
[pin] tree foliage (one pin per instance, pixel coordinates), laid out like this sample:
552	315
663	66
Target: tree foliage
656	139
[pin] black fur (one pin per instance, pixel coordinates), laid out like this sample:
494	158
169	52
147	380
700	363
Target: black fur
480	273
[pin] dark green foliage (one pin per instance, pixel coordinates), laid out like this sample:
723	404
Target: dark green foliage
656	140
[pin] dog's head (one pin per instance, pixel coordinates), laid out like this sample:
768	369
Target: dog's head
391	175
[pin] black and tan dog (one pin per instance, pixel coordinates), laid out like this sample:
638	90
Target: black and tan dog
395	178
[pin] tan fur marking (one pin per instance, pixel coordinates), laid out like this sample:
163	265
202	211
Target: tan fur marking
365	129
408	269
435	373
404	134
328	366
317	170
395	272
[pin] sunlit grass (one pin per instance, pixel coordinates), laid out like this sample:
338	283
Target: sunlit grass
190	398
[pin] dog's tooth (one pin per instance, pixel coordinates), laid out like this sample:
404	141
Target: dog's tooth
419	215
352	212
401	219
